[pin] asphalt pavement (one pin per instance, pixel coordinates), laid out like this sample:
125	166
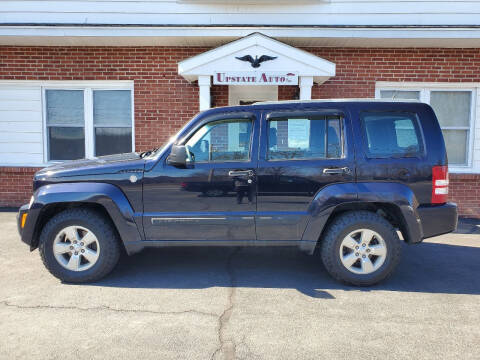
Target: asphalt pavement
243	303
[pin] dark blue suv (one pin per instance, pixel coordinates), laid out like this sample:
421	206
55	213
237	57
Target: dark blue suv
346	178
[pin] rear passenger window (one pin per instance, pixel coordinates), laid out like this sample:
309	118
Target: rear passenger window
392	134
305	137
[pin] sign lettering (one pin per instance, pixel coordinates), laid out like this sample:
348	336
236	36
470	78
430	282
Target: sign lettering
255	78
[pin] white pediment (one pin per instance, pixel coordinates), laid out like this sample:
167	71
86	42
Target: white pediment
287	58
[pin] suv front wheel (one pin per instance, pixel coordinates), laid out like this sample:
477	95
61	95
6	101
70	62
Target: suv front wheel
79	245
360	248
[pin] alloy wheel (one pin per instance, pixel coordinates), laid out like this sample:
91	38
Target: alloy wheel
363	251
76	248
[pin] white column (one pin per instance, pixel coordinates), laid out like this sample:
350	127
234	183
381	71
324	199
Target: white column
204	92
305	84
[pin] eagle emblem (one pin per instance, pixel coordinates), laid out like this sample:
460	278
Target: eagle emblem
257	61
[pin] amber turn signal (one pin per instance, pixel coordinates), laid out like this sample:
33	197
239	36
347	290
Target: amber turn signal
24	218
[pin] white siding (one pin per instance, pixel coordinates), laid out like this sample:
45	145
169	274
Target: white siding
231	12
21	139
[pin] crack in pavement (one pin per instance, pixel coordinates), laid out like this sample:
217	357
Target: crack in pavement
249	353
227	345
107	308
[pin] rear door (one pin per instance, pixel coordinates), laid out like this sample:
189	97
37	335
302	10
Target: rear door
301	152
391	146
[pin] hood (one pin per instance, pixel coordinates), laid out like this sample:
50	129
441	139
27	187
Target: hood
110	164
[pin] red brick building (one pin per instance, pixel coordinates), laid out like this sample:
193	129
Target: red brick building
95	89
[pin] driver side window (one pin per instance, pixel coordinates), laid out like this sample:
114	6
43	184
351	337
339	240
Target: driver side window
222	140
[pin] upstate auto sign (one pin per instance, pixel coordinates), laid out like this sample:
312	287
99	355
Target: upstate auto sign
255	78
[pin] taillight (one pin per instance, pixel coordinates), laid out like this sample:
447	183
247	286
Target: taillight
439	184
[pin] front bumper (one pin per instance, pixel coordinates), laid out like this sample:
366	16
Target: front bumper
27	231
438	220
21	212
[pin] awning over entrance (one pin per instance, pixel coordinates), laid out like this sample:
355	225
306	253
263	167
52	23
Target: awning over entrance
256	60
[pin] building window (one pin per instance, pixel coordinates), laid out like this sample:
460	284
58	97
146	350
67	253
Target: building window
112	119
400	94
65	124
87	123
454	110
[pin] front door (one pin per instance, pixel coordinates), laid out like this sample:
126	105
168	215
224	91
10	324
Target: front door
250	94
215	199
302	153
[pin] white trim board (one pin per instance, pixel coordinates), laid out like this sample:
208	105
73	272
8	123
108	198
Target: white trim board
216	12
70	83
205	36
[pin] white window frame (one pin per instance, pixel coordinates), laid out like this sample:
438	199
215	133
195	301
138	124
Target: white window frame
88	87
425	89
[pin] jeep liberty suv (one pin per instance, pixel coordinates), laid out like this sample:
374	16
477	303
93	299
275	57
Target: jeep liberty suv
347	178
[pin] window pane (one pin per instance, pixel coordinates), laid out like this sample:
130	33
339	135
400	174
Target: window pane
406	136
456	143
334	149
112	141
392	135
112	107
304	138
451	107
66	143
225	140
400	94
64	107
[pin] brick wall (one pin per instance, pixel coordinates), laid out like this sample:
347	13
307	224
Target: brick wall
164	101
464	189
357	70
219	95
15	185
288	92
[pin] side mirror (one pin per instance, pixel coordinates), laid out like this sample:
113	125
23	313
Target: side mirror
179	157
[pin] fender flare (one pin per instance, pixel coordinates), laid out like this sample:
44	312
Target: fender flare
110	197
331	198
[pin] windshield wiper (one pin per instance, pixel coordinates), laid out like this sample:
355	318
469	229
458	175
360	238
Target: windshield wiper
148	152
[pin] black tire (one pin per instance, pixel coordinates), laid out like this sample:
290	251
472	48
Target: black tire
344	225
101	228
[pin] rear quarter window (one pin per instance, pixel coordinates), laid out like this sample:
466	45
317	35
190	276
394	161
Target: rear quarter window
391	134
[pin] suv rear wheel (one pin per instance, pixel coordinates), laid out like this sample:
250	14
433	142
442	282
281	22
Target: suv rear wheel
360	248
79	245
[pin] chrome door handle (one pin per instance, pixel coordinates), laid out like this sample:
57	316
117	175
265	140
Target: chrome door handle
241	173
342	170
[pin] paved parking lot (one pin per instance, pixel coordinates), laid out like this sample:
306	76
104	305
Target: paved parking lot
226	303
